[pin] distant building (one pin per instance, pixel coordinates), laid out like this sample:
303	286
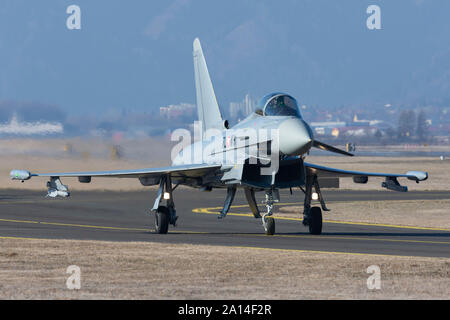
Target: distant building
358	122
243	108
355	128
174	111
14	127
249	105
360	131
235	107
327	128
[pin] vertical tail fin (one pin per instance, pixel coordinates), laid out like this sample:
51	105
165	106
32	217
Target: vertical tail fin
207	107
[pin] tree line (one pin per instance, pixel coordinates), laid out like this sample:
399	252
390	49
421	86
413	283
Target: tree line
412	127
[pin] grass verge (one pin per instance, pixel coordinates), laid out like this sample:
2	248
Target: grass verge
36	269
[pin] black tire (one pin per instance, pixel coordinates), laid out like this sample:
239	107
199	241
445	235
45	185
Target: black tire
162	220
315	222
270	226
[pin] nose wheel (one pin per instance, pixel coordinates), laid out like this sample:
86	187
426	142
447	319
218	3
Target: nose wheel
269	225
268	221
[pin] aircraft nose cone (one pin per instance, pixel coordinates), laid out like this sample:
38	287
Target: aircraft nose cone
295	137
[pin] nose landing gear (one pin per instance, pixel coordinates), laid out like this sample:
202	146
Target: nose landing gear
268	221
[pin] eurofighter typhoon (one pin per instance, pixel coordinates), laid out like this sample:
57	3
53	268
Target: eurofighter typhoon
265	152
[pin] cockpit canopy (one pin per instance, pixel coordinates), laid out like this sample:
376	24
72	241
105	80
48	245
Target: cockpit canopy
278	104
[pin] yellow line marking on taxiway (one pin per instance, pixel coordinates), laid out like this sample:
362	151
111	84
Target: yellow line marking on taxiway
326	237
71	225
211	210
93	226
18	202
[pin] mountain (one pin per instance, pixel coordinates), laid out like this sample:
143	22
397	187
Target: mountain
138	55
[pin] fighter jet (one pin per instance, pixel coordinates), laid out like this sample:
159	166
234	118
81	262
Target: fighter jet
265	152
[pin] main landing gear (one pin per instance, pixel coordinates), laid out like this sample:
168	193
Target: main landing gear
162	219
164	215
312	217
315	220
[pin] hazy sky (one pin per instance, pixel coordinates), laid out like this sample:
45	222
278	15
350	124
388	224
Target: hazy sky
138	54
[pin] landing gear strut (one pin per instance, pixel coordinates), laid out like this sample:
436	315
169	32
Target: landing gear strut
164	215
312	217
231	192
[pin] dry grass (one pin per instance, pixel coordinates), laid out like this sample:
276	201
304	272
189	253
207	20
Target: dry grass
439	171
44	164
48	155
36	269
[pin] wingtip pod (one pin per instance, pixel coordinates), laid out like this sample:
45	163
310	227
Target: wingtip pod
20	175
417	175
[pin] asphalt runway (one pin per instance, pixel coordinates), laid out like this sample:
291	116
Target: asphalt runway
125	216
